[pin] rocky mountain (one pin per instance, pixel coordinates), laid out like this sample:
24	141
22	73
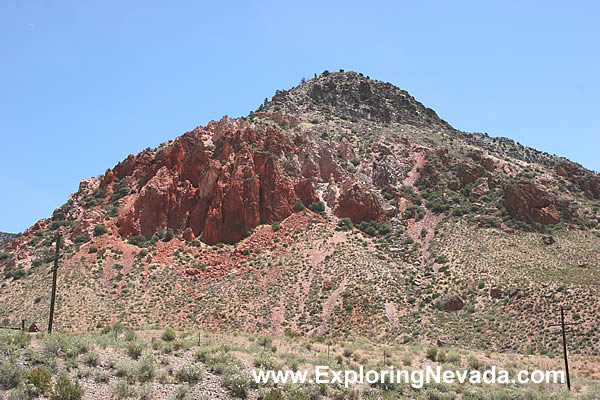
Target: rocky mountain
340	207
6	237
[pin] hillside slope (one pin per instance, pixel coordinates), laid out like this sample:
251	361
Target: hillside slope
414	231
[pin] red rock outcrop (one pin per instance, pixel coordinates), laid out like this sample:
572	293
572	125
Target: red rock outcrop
531	204
358	203
305	191
219	182
486	162
467	174
588	181
568	169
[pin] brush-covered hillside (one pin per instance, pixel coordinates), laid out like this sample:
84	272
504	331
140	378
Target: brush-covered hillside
340	207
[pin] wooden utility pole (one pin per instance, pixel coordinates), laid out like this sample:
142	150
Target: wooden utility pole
54	273
564	342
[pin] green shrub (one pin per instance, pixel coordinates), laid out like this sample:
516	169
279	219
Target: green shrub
473	362
189	373
99	230
93	249
138	240
15	273
65	390
170	234
168	335
274	394
298	206
123	390
237	381
345	224
374	228
54	225
4	257
40	378
317	206
91	359
69	346
431	353
11	374
275	226
134	349
144	370
453	357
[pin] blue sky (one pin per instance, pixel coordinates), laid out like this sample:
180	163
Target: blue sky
84	84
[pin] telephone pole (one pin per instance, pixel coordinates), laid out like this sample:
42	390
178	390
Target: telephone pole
564	341
54	274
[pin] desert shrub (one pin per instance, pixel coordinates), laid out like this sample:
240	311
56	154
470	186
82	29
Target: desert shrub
62	345
91	359
189	373
274	394
64	389
182	392
317	206
13	339
99	229
453	357
40	378
275	226
345	224
11	374
237	381
138	240
168	335
298	205
374	228
93	249
169	234
15	273
431	353
4	257
144	370
54	225
473	362
123	390
134	349
264	361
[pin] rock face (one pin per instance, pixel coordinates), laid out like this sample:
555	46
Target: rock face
528	203
451	302
358	203
215	183
588	181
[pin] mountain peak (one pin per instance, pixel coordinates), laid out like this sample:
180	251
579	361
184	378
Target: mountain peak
352	95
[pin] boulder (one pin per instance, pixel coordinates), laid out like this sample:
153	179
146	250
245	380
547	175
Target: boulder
527	202
451	302
358	203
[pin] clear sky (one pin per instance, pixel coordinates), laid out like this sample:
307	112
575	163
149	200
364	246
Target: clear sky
84	84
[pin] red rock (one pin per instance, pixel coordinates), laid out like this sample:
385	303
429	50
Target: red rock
188	234
218	194
568	169
527	202
305	191
358	203
486	162
345	150
588	181
469	173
